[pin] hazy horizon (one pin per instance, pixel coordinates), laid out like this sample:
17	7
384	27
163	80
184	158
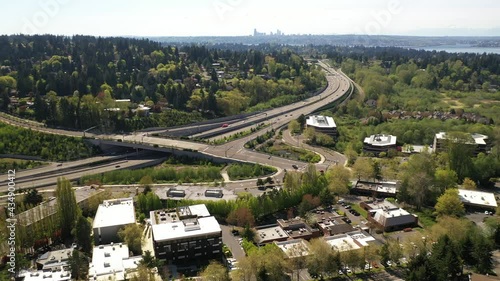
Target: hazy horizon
192	18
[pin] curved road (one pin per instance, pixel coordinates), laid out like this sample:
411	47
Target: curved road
338	86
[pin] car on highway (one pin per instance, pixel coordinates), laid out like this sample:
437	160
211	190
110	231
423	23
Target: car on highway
225	125
295	167
117	166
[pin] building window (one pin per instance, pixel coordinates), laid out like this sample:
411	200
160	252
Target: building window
183	246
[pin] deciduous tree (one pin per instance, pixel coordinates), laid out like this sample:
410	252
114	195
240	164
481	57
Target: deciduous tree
132	236
449	204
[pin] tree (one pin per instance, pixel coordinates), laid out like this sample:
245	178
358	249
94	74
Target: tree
338	180
132	236
445	178
146	182
420	268
482	254
469	184
308	203
460	153
449	204
215	272
67	208
143	274
32	197
322	261
150	261
248	233
294	127
82	232
260	182
446	257
79	266
363	169
241	217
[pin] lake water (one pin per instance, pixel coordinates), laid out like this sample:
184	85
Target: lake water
462	49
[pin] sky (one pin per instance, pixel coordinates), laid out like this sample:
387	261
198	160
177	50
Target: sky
240	17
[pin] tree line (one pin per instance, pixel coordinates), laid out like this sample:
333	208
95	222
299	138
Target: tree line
14	140
75	81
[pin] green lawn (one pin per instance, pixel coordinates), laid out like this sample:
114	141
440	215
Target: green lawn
360	210
425	217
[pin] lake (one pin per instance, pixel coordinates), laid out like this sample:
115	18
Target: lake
462	49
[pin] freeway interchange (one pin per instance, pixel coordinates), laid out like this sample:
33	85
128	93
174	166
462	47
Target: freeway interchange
339	86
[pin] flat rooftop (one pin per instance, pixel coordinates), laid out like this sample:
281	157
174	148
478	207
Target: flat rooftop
294	248
112	261
384	187
478	198
115	212
361	237
384	204
55	258
393	217
478	139
269	234
321	121
342	242
380	140
178	214
185	228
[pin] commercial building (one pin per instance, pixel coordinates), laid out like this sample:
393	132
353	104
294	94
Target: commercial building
478	141
112	262
54	260
375	189
111	216
269	234
350	241
185	234
388	216
478	199
331	223
322	124
379	143
294	248
297	228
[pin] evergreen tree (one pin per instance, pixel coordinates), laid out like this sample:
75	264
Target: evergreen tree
67	207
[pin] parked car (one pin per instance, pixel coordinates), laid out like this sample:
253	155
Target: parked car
346	220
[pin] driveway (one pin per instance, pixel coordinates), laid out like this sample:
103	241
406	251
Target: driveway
231	241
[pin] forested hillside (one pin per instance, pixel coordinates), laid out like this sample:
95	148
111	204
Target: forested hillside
128	84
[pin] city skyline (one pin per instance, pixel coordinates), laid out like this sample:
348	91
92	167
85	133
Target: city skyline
240	18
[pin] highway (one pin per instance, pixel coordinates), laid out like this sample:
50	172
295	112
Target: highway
43	177
338	86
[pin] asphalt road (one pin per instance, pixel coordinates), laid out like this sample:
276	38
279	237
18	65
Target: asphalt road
338	85
330	157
